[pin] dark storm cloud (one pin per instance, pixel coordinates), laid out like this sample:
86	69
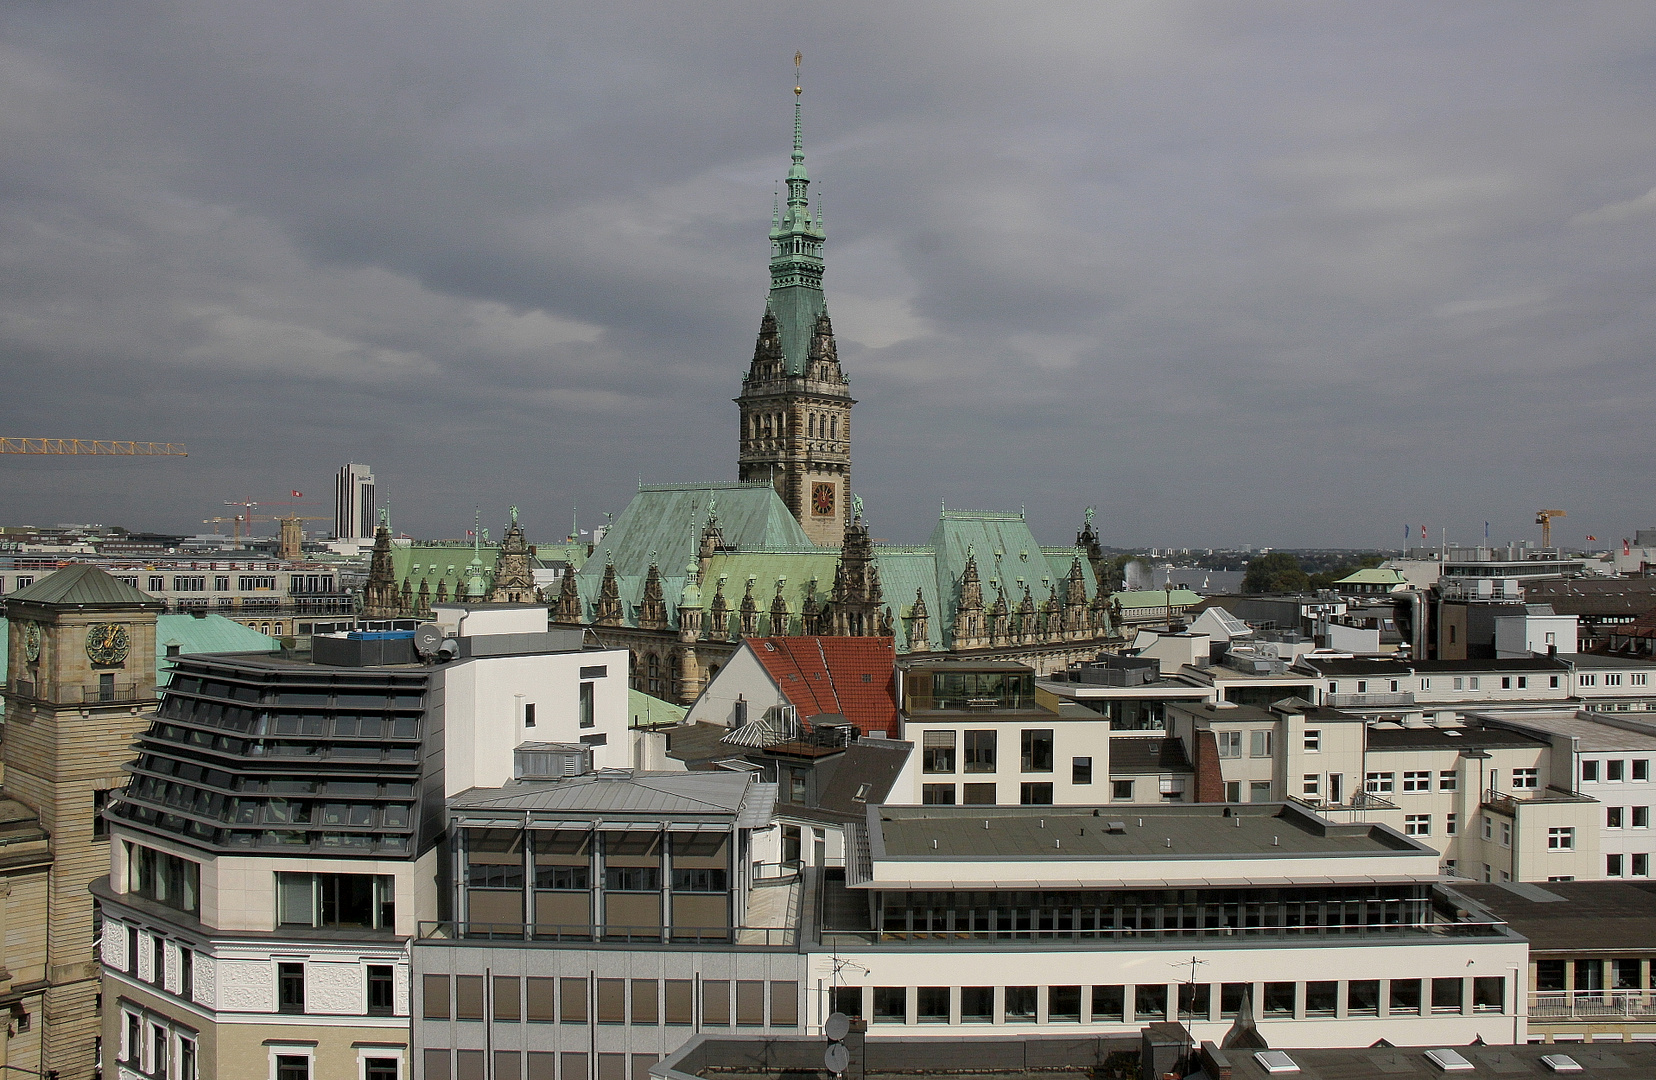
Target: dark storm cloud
1237	273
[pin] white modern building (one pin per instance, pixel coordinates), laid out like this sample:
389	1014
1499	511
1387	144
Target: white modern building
278	844
354	503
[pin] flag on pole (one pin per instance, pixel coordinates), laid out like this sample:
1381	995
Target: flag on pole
1405	532
1594	539
1627	546
1486	532
297	494
1423	534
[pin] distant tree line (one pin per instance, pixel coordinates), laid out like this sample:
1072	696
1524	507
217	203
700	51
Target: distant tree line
1282	572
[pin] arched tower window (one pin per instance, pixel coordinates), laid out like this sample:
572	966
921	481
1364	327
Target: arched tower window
810	425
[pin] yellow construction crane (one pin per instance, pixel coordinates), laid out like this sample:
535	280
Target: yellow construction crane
1544	519
91	446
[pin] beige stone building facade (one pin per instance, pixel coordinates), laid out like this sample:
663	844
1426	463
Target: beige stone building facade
81	688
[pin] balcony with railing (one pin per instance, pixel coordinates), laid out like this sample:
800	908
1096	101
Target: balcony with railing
1402	700
554	934
114	694
1612	1005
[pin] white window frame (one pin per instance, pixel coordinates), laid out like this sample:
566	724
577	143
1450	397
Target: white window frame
1448	780
1379	783
1506	834
1313	740
1311	784
387	1051
1417	781
1230	743
1451	825
1561	838
1526	779
1417	825
1259	743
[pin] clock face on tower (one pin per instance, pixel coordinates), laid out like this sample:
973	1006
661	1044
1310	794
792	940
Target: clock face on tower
31	642
822	500
107	643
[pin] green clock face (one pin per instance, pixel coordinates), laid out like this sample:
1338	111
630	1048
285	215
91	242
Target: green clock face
31	642
107	643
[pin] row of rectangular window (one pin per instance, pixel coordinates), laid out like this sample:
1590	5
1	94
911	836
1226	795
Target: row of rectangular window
1614	816
535	1065
937	751
1615	770
1634	865
157	1057
641	1002
1474	682
1624	974
1063	1004
1613	678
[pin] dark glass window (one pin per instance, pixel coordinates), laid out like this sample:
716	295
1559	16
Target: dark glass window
980	751
380	999
708	880
382	1069
1489	992
1194	1000
931	1004
1150	1001
1035	794
849	1000
1279	999
1405	995
292	1067
1064	1004
1036	755
1549	974
1020	1003
1321	998
290	981
1446	995
1081	770
1363	997
890	1004
1230	997
632	878
1108	1003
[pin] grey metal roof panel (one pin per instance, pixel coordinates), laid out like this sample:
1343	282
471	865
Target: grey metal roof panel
617	792
1422	738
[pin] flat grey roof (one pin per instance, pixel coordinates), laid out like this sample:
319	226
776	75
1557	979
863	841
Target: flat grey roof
1029	832
624	792
1591	735
1431	738
1573	916
1594	662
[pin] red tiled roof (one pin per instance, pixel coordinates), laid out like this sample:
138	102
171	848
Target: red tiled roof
852	676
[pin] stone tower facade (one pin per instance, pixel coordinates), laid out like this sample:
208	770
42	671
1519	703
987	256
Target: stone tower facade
514	581
80	690
796	402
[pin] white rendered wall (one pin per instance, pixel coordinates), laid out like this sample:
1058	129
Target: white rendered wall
742	678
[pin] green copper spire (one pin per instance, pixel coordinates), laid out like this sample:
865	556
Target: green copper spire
796	253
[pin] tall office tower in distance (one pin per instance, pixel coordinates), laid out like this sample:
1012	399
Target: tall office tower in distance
354	503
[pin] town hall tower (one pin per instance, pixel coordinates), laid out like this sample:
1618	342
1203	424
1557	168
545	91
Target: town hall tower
796	402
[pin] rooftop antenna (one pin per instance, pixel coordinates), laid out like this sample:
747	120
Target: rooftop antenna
1189	1041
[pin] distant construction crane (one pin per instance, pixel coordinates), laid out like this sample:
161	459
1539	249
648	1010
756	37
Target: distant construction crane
91	446
1544	518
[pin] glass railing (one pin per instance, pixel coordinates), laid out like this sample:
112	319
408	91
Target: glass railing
553	933
1207	934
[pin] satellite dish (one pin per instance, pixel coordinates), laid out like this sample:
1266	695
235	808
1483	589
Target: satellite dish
837	1058
428	637
837	1026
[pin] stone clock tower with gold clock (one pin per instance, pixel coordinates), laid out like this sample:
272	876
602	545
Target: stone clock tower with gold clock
796	402
80	689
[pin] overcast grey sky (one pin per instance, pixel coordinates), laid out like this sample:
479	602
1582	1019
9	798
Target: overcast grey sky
1288	274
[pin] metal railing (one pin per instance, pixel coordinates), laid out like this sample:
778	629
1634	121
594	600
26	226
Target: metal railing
76	695
1592	1005
1357	931
1371	701
553	933
771	873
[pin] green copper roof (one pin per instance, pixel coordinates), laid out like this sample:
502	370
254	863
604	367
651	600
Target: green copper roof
82	583
208	634
796	260
809	574
1008	558
646	711
664	522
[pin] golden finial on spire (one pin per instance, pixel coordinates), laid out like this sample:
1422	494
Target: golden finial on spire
799	58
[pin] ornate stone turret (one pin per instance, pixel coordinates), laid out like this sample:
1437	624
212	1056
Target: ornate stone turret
1026	618
514	581
442	590
567	610
795	401
779	610
718	616
422	602
1052	616
607	611
749	611
1087	541
969	629
379	595
407	600
856	607
690	681
810	615
999	620
1075	601
919	625
652	607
